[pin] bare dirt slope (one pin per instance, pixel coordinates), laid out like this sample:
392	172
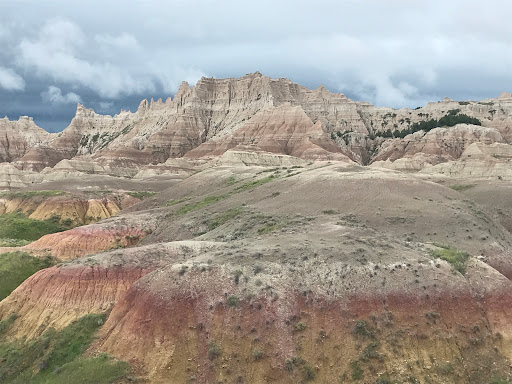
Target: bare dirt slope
321	272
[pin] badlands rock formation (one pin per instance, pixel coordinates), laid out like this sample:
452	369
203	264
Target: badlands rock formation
235	234
254	113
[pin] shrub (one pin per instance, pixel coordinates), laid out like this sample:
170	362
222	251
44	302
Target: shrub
300	326
214	350
257	354
362	328
309	372
357	371
292	362
233	301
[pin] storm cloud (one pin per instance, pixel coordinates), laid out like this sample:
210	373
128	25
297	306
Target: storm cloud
110	54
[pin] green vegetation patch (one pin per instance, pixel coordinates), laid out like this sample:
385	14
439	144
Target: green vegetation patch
269	228
56	357
200	204
95	370
13	242
223	218
461	187
456	258
141	195
16	267
357	371
452	118
177	201
18	226
256	183
29	194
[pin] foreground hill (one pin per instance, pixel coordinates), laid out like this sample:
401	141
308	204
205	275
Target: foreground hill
311	272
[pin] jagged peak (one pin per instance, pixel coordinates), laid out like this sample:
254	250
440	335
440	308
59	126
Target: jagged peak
143	106
505	95
81	110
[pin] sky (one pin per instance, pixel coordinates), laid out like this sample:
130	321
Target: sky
109	55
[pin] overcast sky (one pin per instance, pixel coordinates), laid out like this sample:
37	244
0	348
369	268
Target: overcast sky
109	55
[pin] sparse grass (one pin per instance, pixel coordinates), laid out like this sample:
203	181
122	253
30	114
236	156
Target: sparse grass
231	180
29	194
461	187
177	201
201	204
16	267
18	226
141	195
223	218
6	324
268	228
456	258
256	183
13	242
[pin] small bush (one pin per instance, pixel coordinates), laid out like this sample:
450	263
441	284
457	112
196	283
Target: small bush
257	354
309	372
292	362
362	328
233	301
214	350
300	326
446	369
357	371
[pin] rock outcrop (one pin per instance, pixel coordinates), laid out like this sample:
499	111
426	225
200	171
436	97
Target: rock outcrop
18	137
255	113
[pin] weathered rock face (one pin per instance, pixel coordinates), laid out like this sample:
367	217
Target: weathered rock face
478	161
18	137
79	210
258	113
283	130
440	144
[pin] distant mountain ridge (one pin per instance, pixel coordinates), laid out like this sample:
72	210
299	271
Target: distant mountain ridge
254	113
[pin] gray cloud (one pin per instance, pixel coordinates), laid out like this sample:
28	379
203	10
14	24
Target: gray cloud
54	95
10	80
391	53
